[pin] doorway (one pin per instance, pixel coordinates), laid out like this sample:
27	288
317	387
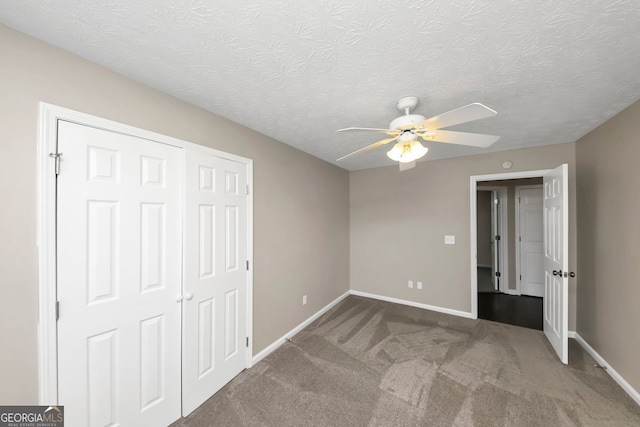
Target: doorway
555	249
492	238
508	304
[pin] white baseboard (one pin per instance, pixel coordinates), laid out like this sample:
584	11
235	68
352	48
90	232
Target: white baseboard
571	334
414	304
277	343
612	372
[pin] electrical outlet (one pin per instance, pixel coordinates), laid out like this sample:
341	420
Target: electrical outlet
410	283
419	285
304	300
449	240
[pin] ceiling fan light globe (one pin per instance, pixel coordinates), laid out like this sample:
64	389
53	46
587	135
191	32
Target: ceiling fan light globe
418	150
396	152
407	152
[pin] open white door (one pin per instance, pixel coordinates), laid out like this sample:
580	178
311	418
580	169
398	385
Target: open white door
556	259
119	272
215	287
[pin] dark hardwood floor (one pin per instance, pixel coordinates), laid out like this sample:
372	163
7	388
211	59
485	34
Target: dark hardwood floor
515	310
522	310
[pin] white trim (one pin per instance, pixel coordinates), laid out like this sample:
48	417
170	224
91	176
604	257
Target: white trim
46	222
277	343
633	393
249	354
572	334
503	194
517	189
473	188
415	304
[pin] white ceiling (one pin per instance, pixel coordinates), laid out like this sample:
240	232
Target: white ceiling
299	70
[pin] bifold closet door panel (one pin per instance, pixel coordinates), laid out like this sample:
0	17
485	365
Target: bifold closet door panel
215	254
119	247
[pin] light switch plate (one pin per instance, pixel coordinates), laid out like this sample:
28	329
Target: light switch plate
449	240
419	285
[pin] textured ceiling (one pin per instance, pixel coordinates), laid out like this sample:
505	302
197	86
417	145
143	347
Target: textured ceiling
299	70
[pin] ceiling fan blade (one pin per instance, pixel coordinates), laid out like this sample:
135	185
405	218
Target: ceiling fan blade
368	147
407	166
387	131
468	113
461	138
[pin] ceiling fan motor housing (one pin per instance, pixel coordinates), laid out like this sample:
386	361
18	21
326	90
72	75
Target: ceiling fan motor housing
409	119
407	137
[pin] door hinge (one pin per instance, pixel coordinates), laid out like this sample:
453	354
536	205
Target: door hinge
56	159
57	310
247	190
247	265
498	274
247	341
497	201
497	237
519	238
521	277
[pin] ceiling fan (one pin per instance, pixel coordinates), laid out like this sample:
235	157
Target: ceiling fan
406	130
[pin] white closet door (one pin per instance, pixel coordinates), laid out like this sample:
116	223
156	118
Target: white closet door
215	285
531	241
119	273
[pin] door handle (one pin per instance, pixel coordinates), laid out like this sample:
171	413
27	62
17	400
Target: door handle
188	296
572	274
557	272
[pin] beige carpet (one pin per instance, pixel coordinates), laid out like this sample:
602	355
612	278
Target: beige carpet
372	363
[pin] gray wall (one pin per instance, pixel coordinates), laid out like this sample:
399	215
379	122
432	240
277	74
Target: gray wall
609	240
301	204
483	209
398	223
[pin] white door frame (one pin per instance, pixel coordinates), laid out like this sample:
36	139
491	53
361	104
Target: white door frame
518	233
503	231
474	223
46	231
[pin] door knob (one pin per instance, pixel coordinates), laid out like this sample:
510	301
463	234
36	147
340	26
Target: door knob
572	274
178	298
188	296
557	272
